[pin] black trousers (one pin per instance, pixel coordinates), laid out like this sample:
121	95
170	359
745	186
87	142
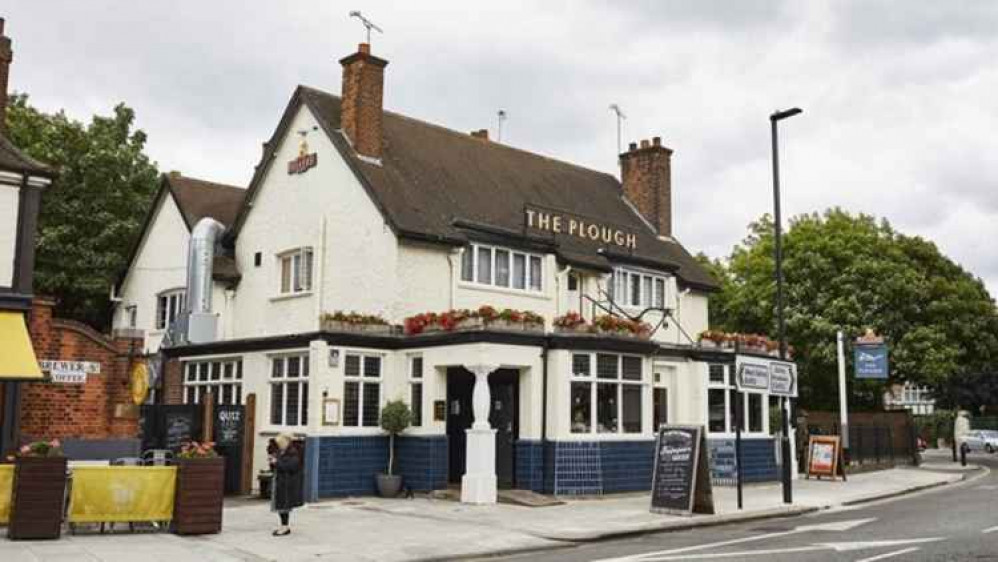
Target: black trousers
285	516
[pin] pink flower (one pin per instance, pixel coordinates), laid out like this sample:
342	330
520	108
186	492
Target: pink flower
25	449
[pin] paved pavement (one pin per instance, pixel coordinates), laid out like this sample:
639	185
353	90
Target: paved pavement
958	522
420	529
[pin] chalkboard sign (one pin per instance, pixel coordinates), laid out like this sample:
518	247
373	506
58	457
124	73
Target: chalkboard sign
179	429
681	480
229	426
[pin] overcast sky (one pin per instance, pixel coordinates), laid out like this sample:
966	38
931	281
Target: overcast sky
900	98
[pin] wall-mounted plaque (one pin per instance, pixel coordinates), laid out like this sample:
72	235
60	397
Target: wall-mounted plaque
439	410
330	411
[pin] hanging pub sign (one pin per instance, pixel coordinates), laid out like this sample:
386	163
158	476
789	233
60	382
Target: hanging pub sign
305	161
870	357
681	474
69	372
586	229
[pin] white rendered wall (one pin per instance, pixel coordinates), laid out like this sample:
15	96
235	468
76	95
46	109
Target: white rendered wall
325	208
160	264
9	203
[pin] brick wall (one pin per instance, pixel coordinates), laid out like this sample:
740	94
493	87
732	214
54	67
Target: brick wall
85	411
173	383
646	174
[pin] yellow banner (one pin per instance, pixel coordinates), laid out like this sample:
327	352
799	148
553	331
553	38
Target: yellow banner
6	483
122	493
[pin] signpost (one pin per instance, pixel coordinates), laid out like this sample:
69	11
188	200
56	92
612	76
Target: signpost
681	479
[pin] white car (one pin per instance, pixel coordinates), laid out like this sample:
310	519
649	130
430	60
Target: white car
982	440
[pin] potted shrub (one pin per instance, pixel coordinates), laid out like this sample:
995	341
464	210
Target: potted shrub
340	321
38	493
395	418
197	505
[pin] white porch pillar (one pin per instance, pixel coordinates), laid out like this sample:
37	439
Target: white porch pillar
479	482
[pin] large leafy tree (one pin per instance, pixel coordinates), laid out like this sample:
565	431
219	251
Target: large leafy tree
93	211
852	272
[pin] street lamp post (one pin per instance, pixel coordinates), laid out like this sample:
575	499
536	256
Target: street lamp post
780	322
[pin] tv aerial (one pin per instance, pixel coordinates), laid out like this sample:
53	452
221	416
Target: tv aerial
367	23
620	117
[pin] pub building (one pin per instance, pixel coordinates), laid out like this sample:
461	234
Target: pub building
354	208
22	180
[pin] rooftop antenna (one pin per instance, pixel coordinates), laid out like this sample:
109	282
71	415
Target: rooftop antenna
367	23
501	114
620	117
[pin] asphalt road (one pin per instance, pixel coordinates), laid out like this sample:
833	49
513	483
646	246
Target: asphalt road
955	522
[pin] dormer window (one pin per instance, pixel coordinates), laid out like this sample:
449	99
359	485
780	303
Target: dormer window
502	267
638	289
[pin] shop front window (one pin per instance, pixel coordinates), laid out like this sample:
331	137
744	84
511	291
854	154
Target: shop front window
615	396
715	411
362	390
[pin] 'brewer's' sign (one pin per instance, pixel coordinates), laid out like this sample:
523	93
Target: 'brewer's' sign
72	372
559	223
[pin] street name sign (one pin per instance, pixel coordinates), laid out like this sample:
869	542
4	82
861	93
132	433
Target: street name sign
70	372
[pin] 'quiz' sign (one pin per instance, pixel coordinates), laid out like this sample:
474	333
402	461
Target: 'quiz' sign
573	226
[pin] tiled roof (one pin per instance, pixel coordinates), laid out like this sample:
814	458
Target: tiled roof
13	160
198	199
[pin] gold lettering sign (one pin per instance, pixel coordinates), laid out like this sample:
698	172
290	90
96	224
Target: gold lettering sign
580	228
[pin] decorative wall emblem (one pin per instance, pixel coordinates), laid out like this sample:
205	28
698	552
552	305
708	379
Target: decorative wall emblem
305	160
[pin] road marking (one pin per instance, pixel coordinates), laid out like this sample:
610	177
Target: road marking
990	530
988	487
889	554
861	545
832	526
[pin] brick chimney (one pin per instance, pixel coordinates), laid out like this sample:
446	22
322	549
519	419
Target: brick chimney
646	174
481	134
361	108
6	56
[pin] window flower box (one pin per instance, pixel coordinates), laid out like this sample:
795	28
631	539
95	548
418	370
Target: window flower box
484	318
585	329
354	322
197	505
38	497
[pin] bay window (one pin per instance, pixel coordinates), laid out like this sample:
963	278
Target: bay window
289	390
606	393
502	267
638	289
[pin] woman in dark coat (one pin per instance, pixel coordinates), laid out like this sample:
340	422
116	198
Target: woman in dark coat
287	492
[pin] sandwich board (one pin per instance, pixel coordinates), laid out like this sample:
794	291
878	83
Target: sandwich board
824	457
681	475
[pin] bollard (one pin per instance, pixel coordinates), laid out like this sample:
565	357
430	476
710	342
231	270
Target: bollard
963	454
953	446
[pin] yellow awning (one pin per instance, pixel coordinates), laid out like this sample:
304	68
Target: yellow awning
17	357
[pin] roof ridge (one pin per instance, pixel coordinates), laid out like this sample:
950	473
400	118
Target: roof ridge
469	138
209	183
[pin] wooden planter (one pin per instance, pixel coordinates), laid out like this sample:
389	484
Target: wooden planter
339	326
507	326
38	498
197	505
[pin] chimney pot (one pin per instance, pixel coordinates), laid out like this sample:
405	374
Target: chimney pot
644	143
632	147
481	134
364	48
1	26
656	141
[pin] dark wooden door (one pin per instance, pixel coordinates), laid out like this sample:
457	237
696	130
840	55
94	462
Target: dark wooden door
460	384
504	418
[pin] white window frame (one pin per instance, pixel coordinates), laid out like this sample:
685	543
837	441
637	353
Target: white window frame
301	269
533	281
593	380
729	387
363	380
416	380
230	374
302	381
620	288
169	306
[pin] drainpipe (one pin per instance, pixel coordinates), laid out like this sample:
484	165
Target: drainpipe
545	469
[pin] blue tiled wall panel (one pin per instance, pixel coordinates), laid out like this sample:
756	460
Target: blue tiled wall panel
529	465
347	465
758	461
422	461
627	465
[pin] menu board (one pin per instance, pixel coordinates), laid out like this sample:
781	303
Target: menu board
179	429
228	426
680	480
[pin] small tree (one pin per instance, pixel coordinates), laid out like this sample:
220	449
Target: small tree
395	418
